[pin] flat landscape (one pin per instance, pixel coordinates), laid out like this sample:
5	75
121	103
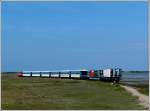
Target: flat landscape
137	79
47	93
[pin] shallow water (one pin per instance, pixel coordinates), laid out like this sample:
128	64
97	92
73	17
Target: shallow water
135	78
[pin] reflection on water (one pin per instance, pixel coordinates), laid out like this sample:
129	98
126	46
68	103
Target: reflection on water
135	78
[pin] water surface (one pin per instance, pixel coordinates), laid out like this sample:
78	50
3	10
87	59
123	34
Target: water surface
135	78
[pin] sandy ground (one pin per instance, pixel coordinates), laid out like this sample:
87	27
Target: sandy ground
143	99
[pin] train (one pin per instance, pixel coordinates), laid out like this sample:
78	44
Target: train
110	74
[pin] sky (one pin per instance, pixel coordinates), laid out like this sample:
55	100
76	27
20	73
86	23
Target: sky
74	35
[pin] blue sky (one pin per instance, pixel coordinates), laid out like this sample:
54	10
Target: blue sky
74	35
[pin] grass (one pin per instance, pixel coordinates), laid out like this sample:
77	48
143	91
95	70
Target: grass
143	88
45	93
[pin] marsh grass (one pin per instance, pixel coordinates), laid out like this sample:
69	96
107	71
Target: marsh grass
47	93
144	88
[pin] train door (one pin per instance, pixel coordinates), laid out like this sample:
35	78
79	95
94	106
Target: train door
84	74
91	74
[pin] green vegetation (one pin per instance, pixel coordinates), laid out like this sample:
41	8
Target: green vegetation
142	88
45	93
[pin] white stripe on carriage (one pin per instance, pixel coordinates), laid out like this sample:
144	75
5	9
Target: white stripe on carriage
54	75
64	75
75	75
54	71
26	74
45	75
35	75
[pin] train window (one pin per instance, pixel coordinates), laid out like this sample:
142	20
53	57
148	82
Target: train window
101	72
75	72
111	72
54	72
65	72
84	72
120	72
116	72
96	73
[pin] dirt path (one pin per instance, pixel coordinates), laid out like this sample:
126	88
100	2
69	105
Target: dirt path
143	99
